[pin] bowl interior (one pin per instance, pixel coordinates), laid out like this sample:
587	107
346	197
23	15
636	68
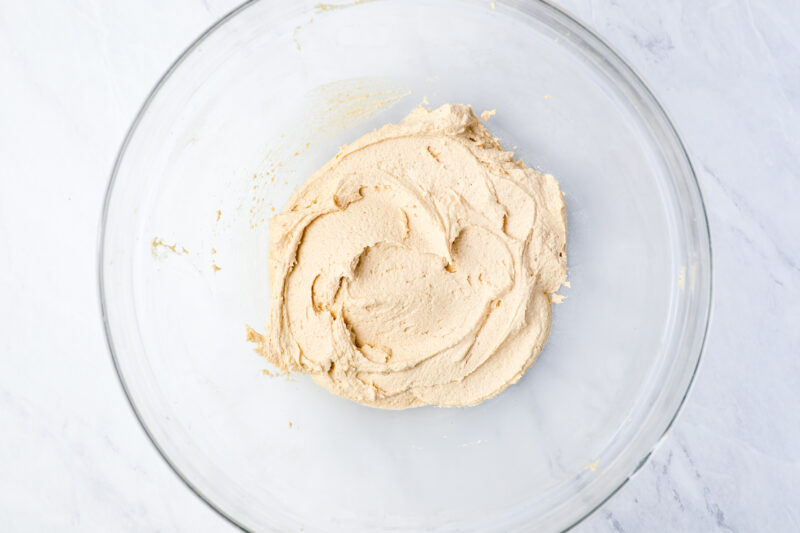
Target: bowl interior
247	114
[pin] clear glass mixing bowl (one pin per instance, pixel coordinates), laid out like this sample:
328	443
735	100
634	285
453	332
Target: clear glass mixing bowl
264	98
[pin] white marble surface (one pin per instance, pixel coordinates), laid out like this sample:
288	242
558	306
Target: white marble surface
72	76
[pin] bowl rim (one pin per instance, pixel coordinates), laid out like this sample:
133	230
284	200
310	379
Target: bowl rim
602	45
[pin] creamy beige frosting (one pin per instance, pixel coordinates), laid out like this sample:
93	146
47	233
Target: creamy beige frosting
416	267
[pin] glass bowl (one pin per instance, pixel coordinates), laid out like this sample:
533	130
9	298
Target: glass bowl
264	98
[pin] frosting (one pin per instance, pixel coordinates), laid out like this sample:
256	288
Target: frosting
416	266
